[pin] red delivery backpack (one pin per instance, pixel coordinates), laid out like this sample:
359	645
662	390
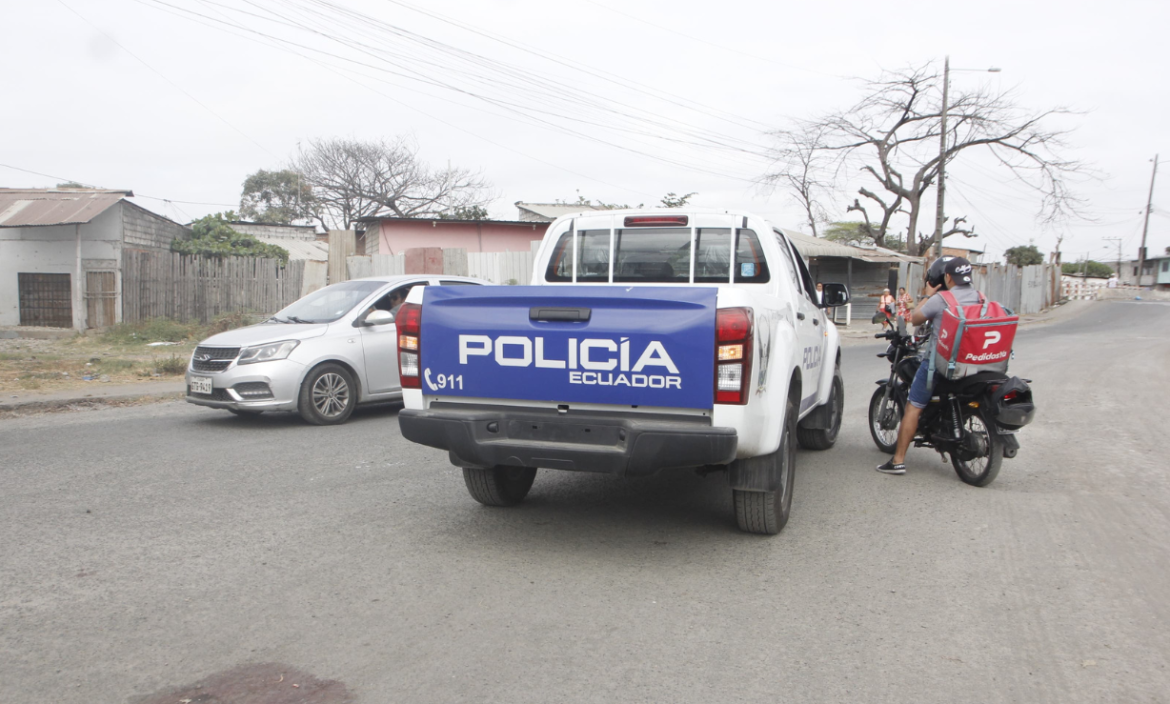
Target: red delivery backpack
973	338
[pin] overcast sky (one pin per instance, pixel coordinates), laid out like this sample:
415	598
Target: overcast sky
553	99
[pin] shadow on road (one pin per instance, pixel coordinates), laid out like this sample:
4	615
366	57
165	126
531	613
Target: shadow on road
280	419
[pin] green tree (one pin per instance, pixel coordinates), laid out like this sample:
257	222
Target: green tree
211	236
1024	255
670	200
466	212
1089	268
282	197
860	234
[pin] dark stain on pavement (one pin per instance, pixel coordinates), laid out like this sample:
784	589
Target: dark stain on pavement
259	683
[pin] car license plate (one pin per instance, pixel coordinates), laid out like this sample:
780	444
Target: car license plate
201	385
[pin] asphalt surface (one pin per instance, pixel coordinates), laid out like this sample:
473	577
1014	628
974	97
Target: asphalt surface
168	552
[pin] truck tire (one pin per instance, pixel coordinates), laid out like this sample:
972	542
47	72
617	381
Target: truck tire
328	395
766	512
824	438
499	486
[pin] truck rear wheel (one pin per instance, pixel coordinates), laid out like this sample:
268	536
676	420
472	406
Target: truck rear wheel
499	486
766	512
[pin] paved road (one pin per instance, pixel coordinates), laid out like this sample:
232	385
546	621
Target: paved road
144	550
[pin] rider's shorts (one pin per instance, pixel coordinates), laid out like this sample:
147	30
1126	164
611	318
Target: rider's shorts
919	393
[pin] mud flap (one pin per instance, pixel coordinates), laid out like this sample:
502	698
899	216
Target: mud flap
756	473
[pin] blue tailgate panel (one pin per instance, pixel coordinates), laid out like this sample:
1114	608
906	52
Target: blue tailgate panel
648	346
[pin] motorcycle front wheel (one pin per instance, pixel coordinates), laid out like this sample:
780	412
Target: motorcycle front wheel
979	469
886	438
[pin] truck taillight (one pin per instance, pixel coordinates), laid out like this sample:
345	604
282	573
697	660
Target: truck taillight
733	354
409	324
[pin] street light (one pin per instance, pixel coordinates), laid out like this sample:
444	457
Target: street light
942	152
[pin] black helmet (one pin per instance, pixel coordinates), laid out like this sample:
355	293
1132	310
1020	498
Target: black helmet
936	274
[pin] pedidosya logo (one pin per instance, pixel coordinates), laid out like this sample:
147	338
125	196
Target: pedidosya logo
589	361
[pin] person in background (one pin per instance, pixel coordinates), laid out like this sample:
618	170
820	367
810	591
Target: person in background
905	307
397	298
820	292
886	307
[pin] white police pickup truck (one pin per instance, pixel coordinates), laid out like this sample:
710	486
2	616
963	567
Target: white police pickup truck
650	340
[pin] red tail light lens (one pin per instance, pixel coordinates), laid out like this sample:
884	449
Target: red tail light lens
733	355
409	325
657	220
409	319
1010	396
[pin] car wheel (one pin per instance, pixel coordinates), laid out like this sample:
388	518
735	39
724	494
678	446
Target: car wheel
328	395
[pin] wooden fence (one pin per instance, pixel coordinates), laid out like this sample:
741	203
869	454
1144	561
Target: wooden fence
197	288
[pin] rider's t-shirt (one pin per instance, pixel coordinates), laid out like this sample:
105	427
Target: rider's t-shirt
933	309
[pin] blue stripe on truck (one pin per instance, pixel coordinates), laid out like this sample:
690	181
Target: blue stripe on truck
648	346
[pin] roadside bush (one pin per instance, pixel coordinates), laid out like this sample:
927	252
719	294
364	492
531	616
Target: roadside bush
153	330
170	366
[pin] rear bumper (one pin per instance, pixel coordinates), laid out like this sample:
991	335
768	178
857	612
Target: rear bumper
622	446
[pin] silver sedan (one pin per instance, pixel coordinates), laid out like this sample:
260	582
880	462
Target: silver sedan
321	356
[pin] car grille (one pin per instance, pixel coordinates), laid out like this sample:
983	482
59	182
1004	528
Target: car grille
215	395
213	359
250	390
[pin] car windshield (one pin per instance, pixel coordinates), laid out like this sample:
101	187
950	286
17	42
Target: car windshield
328	304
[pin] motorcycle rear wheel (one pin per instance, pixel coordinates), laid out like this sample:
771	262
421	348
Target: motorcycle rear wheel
979	471
885	439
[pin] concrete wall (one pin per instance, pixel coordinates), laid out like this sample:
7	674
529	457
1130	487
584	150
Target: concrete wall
54	250
287	232
397	236
143	229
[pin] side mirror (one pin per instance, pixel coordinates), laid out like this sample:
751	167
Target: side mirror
379	317
834	295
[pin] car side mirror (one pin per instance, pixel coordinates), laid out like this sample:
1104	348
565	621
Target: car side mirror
379	317
834	295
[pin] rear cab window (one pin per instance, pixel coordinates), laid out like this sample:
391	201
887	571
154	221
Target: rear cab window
659	255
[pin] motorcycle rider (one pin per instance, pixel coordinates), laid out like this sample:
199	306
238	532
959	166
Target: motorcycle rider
946	273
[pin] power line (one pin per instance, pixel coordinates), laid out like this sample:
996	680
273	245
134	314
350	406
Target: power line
402	67
174	85
433	117
691	37
90	185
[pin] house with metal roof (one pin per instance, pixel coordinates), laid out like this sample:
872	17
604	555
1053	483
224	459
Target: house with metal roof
61	254
547	212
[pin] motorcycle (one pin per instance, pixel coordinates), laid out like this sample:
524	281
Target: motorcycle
973	419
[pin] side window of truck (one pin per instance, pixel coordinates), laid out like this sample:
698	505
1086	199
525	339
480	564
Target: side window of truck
809	287
782	241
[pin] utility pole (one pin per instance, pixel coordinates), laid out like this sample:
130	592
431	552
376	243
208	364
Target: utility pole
1146	225
942	163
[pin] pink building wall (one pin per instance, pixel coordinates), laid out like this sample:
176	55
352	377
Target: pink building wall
397	236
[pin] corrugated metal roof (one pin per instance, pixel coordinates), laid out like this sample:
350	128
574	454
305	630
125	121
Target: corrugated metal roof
45	207
300	249
816	247
552	211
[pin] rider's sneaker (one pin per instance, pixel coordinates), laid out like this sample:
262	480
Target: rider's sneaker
891	468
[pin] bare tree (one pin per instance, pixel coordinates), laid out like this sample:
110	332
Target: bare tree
892	136
800	169
353	179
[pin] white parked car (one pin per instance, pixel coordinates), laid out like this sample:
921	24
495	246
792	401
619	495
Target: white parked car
320	356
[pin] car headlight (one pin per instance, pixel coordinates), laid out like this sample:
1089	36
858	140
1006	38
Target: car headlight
267	353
